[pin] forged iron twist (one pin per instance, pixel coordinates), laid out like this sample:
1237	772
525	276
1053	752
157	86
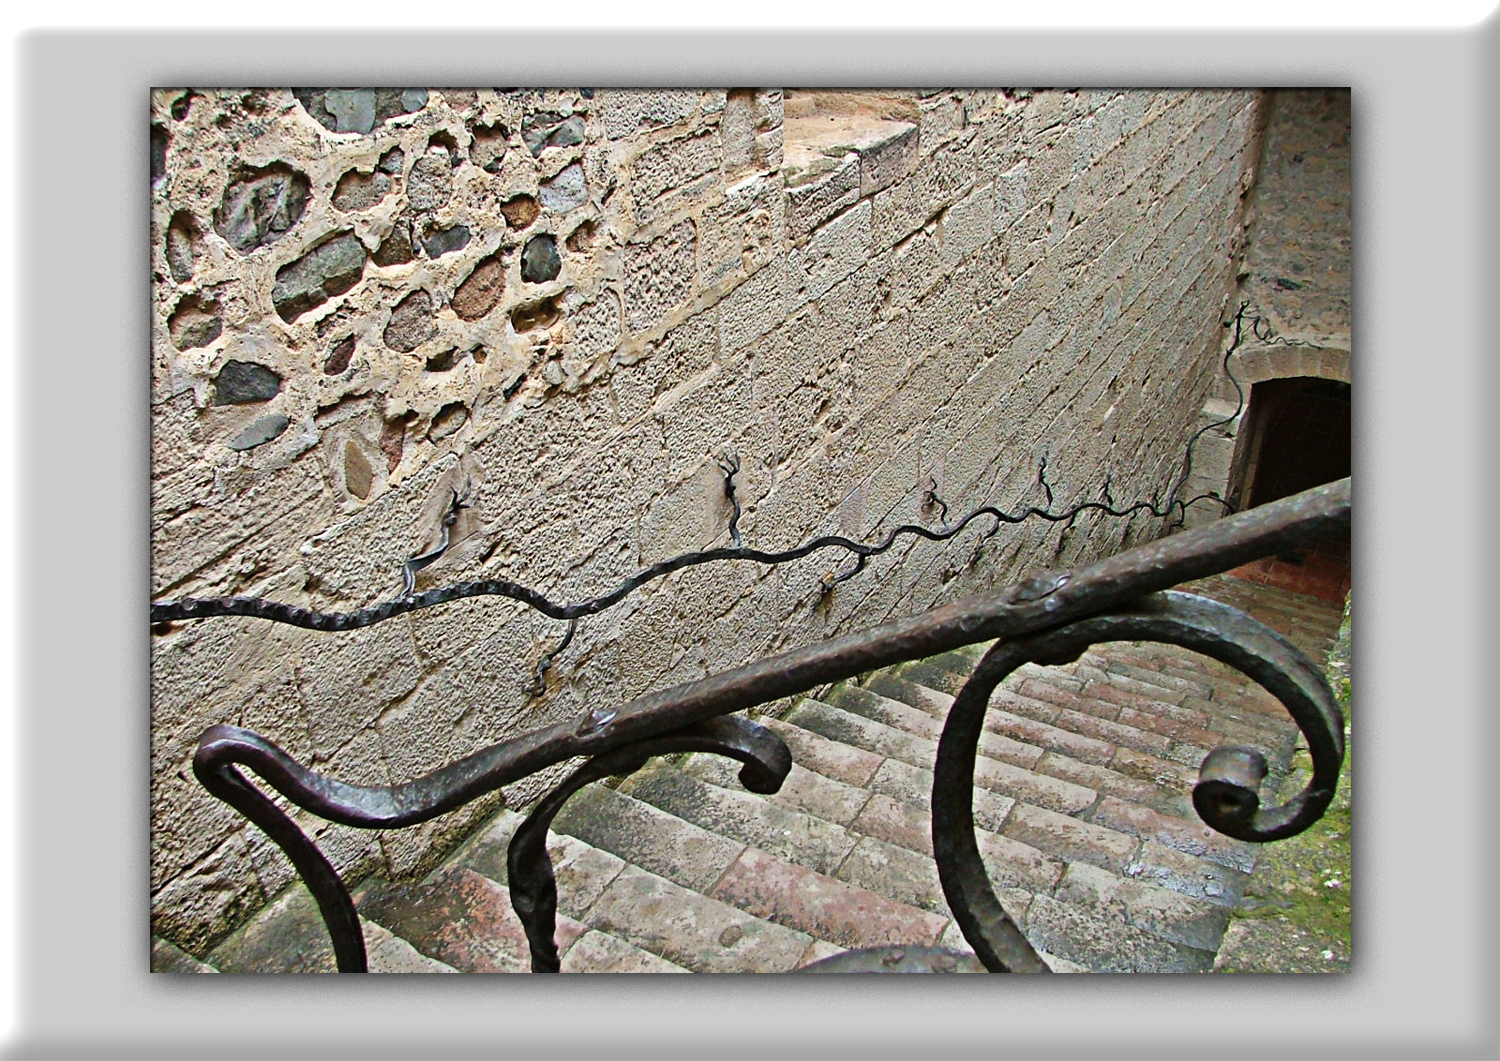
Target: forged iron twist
411	567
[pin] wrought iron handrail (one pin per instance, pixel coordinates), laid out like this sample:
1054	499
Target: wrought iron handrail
1049	617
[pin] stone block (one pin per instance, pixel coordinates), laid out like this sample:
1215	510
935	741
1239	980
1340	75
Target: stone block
753	308
745	231
1010	196
629	111
811	203
880	362
674	359
348	679
702	419
942	119
916	264
659	277
887	159
664	175
687	517
835	251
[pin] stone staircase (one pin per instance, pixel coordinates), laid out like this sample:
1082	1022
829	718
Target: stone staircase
1082	799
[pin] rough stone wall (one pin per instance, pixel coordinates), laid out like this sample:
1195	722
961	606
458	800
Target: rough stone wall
572	302
1296	271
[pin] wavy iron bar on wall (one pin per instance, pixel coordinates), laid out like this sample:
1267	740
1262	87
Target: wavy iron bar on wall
1173	509
1048	618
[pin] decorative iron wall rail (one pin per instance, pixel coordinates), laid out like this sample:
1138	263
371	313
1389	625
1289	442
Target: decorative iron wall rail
1048	618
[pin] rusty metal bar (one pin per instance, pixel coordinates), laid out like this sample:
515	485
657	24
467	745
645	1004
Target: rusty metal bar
1043	602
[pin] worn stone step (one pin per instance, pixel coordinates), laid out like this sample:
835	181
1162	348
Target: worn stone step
1202	863
1100	718
830	758
1116	660
1009	859
698	932
803	790
997	721
1066	706
1039	789
648	837
1160	911
1189	837
893	712
1068	756
460	918
822	906
288	936
582	873
893	856
1086	707
912	785
1141	660
1077	938
1097	881
167	957
1106	945
600	952
742	816
887	819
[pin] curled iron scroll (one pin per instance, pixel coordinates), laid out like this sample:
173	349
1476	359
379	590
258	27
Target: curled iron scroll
223	749
533	886
1226	796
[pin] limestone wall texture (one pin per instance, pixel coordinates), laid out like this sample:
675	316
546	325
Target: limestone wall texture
1296	273
572	303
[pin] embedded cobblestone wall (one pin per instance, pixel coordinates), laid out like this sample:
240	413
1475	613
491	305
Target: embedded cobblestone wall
570	303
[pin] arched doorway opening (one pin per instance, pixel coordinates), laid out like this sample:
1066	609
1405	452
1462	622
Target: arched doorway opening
1297	435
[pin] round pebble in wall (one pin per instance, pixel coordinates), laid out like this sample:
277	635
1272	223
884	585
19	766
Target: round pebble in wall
540	261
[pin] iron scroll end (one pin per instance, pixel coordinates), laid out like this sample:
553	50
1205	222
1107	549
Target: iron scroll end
1227	795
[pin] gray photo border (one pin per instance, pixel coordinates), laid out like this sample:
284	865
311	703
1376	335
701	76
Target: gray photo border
1425	135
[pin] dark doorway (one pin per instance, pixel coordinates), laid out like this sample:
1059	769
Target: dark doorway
1296	435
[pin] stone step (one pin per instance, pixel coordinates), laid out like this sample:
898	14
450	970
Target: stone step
166	957
890	742
288	936
791	835
1066	755
463	915
686	854
826	908
585	874
1047	698
698	932
1106	946
1223	702
646	836
459	917
895	713
892	852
